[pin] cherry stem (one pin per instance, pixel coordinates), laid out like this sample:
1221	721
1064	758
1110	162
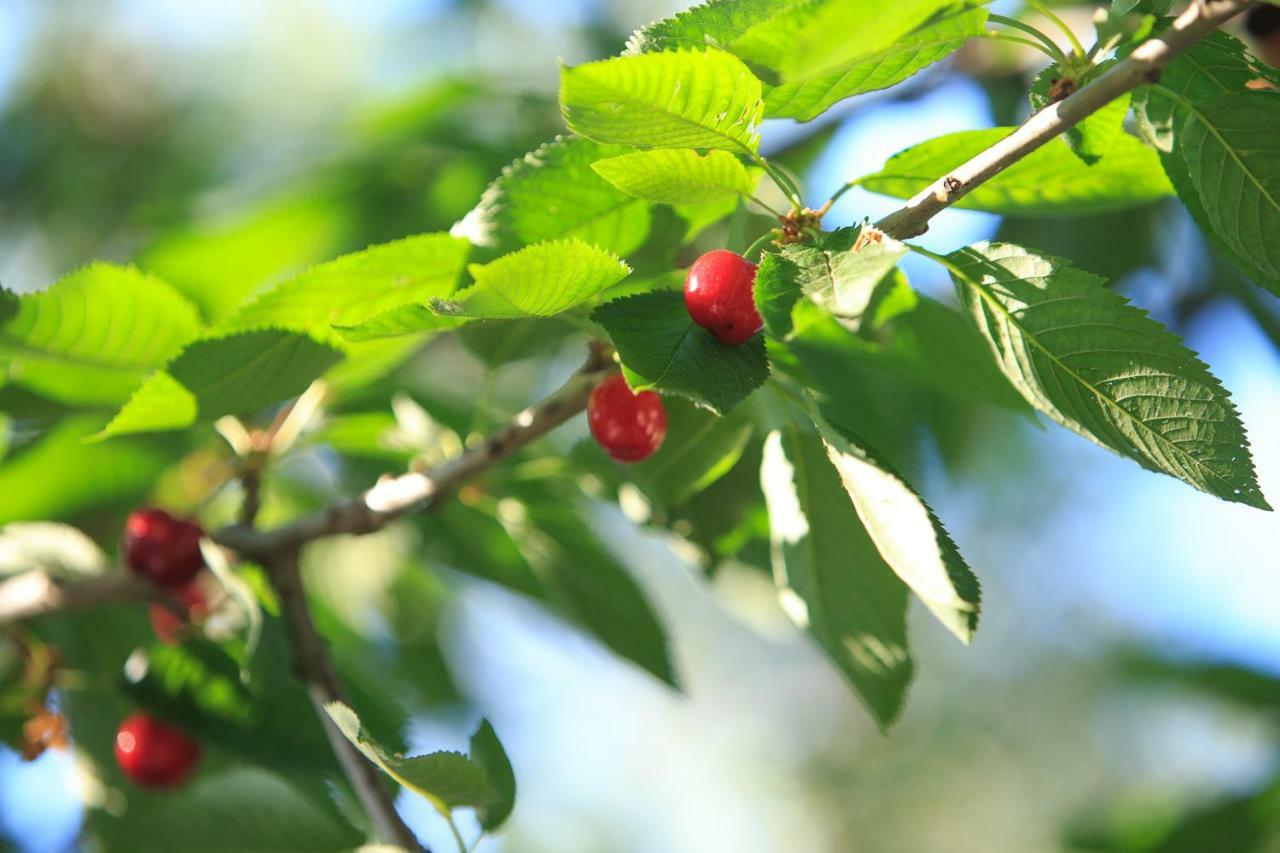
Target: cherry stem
760	243
1043	43
1061	24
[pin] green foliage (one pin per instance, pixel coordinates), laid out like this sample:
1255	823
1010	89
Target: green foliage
1214	154
1100	367
679	176
445	779
92	337
538	281
554	193
839	275
487	751
1050	181
231	375
660	347
834	583
904	529
681	99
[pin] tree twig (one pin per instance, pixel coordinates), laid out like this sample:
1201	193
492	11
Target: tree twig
316	670
393	497
36	593
1143	65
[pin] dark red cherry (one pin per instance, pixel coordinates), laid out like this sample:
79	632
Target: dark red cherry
163	549
629	426
718	294
153	753
167	624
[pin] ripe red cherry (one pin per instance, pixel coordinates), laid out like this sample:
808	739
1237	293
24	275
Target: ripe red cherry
153	753
167	624
630	427
163	549
718	294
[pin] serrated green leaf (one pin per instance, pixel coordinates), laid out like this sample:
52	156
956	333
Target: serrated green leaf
679	176
809	97
232	375
445	779
398	323
909	537
680	99
776	291
1230	147
1216	67
1092	137
660	347
1095	364
358	286
832	581
839	278
553	193
487	751
538	281
59	476
94	336
1050	181
813	53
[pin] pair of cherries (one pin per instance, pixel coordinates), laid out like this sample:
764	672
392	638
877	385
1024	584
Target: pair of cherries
718	294
166	551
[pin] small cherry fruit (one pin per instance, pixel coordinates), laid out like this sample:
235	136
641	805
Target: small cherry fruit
718	295
153	753
163	549
167	624
629	426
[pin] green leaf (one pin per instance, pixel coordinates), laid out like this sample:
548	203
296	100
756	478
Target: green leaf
1092	137
776	291
538	281
681	99
445	779
816	53
94	336
59	476
807	98
661	348
57	550
1231	148
554	193
588	582
679	176
909	537
1095	364
1217	67
840	279
238	810
232	375
832	581
1050	181
487	751
358	286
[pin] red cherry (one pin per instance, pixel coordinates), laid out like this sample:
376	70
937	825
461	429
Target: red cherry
169	625
163	549
630	427
154	754
718	294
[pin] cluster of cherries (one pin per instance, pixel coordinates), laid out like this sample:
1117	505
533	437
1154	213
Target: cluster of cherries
166	551
718	293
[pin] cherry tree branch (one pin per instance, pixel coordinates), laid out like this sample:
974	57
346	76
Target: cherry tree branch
36	593
1143	65
315	668
415	491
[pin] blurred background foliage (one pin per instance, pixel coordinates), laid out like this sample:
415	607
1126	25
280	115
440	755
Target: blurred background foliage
1122	695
